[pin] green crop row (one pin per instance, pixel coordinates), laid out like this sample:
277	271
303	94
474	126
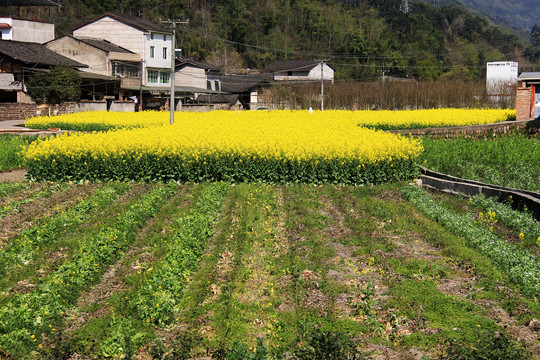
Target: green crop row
223	168
159	296
27	318
521	222
521	266
23	249
16	204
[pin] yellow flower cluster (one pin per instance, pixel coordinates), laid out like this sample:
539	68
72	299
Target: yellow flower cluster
279	135
379	119
98	120
412	119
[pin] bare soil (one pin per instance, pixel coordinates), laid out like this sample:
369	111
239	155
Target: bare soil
30	213
13	176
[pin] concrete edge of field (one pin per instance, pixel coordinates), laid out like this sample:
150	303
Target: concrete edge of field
519	199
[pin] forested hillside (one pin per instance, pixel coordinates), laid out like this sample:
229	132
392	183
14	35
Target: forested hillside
362	39
520	14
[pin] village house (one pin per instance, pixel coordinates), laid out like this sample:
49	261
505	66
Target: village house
19	60
299	70
150	41
114	63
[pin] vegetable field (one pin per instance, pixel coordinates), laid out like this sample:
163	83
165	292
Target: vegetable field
512	160
255	271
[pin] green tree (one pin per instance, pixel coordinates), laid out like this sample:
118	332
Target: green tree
59	85
535	36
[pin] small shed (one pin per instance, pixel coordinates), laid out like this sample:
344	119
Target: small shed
528	96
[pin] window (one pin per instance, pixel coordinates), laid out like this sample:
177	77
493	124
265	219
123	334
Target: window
151	36
216	83
152	51
165	77
126	69
208	85
153	76
164	37
164	52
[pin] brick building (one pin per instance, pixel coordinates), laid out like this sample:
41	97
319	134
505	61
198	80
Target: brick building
528	96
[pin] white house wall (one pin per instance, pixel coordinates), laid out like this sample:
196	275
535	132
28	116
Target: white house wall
27	30
190	76
114	31
315	73
159	42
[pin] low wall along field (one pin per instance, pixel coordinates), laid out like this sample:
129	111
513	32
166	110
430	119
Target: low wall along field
277	147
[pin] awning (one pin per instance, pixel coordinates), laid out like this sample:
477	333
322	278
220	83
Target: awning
93	76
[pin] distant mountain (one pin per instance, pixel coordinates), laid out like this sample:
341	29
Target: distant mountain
521	15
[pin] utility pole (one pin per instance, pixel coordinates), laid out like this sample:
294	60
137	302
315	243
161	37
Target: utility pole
172	105
322	62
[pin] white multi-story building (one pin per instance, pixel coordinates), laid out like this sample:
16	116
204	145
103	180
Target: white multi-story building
500	75
151	41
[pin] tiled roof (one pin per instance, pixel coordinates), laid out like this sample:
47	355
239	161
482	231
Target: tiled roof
290	65
34	53
230	99
196	63
243	83
104	45
133	21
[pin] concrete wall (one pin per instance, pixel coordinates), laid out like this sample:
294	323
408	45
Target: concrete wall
123	106
27	30
92	106
190	76
198	108
96	59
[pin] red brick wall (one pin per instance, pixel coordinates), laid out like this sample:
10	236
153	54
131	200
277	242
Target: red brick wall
523	103
17	111
20	111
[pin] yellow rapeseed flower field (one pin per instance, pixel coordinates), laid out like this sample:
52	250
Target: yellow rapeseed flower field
382	119
264	146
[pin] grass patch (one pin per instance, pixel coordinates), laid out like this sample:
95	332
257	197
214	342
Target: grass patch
10	148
